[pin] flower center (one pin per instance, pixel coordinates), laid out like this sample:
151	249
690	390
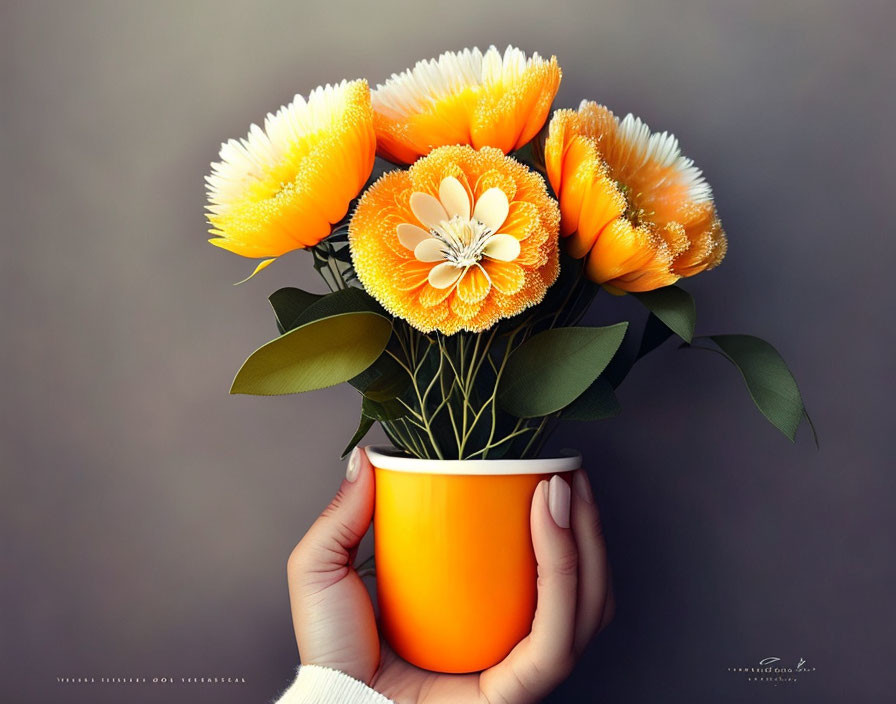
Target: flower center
458	234
463	240
634	212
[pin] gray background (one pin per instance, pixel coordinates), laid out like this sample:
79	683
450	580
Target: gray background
147	516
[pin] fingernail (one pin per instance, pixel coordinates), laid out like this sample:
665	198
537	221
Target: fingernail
558	501
583	488
354	465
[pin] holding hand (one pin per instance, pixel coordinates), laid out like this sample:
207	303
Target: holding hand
334	619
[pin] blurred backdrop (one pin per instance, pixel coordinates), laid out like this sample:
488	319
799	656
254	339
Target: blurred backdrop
147	516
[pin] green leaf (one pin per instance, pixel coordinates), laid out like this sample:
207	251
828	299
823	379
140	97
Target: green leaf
345	301
655	334
383	380
771	385
288	304
553	368
597	403
674	306
383	411
363	427
315	355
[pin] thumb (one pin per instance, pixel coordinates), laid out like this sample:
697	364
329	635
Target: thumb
325	554
331	611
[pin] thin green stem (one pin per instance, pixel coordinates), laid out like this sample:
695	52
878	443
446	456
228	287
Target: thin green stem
491	446
534	436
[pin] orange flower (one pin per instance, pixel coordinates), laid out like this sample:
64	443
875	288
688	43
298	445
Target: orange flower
640	211
282	188
464	98
457	242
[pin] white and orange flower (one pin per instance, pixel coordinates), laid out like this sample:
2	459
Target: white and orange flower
283	187
457	242
639	210
467	97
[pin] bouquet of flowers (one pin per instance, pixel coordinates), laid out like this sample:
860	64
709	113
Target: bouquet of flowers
463	232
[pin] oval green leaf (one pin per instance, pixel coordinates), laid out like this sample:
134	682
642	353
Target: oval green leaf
346	300
553	368
771	385
597	403
289	303
674	306
383	411
383	380
315	355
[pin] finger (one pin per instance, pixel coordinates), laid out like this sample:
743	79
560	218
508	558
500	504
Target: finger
331	610
593	570
545	657
325	553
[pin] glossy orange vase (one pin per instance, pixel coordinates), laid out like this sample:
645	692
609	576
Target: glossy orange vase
456	578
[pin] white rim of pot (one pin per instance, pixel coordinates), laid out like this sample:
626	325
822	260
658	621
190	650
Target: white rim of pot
385	457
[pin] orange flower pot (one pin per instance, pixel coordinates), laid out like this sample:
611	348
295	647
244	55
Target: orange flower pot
456	578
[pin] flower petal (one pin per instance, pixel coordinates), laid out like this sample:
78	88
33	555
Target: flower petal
454	198
492	208
430	250
263	264
410	235
503	247
444	275
507	277
474	285
522	218
427	209
410	275
431	297
463	309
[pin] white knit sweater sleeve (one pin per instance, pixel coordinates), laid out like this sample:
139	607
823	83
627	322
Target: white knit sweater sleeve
321	685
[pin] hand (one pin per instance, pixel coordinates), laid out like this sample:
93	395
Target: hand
334	620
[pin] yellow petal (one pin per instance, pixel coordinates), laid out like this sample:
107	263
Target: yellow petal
411	274
429	250
261	265
444	275
410	235
503	247
474	285
492	209
454	198
507	277
427	209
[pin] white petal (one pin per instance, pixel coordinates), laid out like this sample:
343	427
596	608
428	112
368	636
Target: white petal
428	209
430	250
491	208
505	248
410	235
444	275
454	197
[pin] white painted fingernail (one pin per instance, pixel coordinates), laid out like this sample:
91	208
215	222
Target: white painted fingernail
558	501
354	465
583	488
